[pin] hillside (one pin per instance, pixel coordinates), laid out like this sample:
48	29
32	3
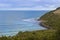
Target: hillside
52	19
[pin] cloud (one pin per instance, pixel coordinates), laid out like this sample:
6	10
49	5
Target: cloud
2	5
46	7
29	4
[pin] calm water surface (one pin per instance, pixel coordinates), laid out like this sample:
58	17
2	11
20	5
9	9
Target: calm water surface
11	22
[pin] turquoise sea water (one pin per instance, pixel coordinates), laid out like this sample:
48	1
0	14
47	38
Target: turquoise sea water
11	22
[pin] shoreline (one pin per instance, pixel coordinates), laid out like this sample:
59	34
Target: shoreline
41	23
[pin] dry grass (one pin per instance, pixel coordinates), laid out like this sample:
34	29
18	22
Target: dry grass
57	12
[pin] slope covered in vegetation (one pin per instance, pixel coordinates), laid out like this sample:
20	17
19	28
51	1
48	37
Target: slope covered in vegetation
52	19
34	35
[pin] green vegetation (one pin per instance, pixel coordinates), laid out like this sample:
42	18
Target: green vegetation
52	23
35	35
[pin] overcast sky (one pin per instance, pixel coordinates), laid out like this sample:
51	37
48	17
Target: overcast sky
29	4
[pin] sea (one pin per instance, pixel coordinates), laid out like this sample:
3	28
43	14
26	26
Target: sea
14	21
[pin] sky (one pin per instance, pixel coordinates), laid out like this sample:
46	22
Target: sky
29	4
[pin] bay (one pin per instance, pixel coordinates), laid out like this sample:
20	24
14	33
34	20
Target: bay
13	21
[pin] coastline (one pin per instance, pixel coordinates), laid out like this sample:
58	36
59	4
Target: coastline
43	25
